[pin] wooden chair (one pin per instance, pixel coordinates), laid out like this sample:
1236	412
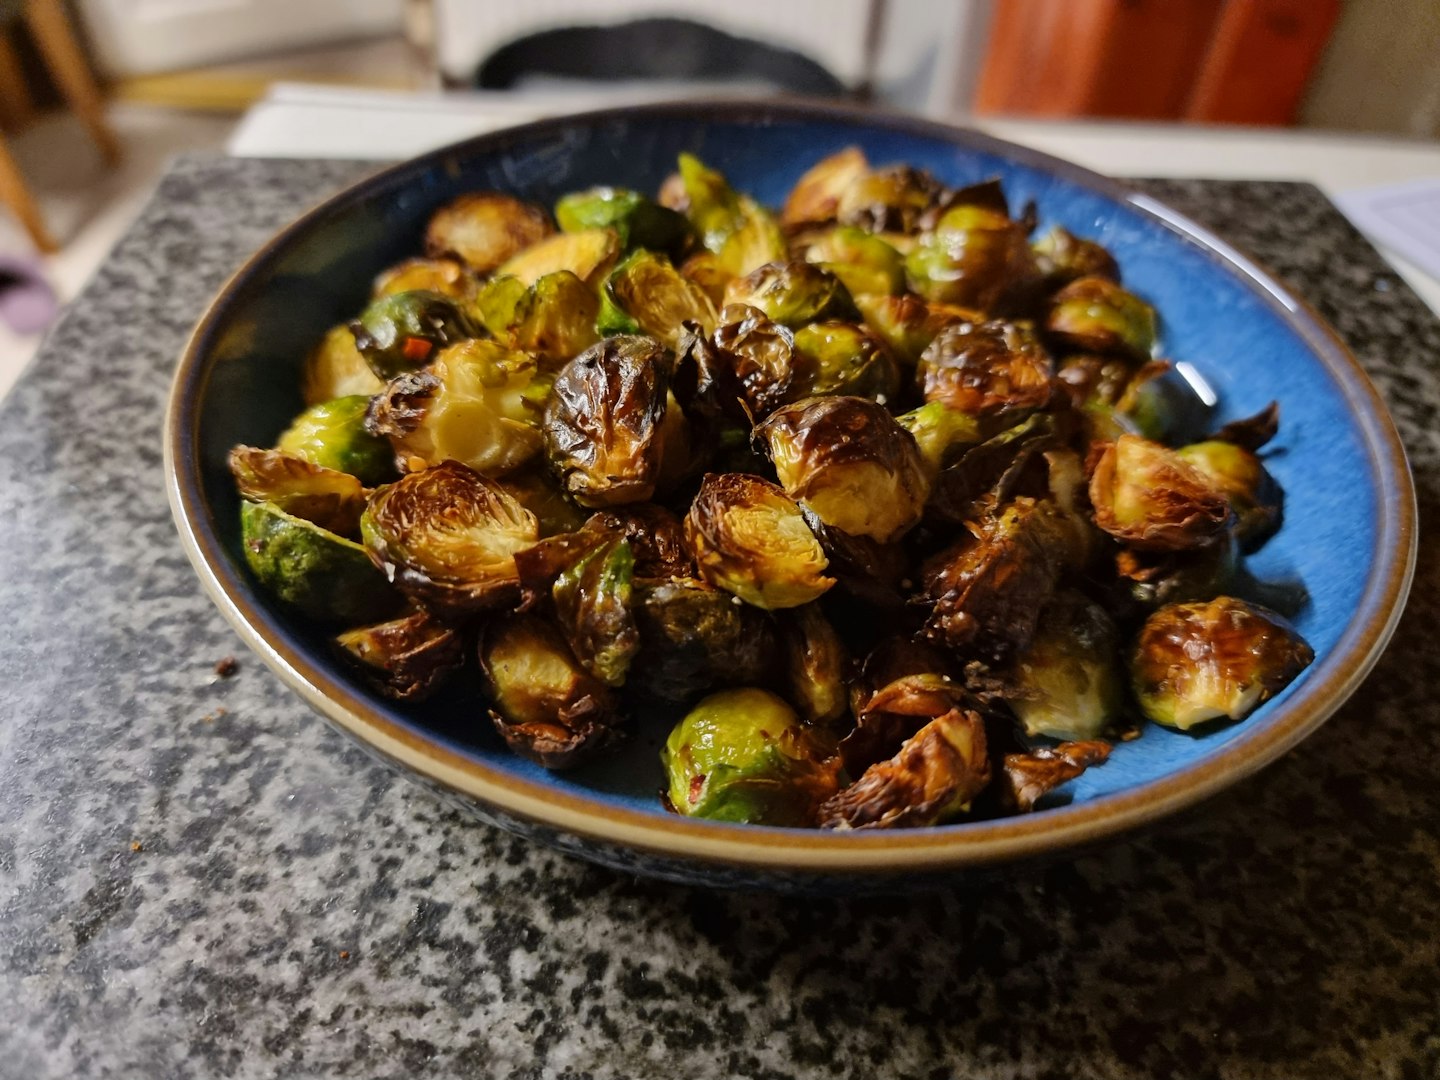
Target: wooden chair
53	36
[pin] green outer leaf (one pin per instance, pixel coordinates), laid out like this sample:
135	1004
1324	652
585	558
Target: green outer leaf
333	436
594	599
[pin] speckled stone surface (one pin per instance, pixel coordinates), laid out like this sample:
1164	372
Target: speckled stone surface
198	878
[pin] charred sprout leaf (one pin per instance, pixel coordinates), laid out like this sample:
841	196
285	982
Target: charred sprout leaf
694	637
603	421
588	255
976	257
986	369
1253	432
328	498
1067	683
1025	778
1096	315
815	198
406	658
645	294
862	261
485	228
890	199
816	663
447	537
933	779
743	755
886	717
1062	257
757	353
1152	578
554	318
1149	497
793	293
848	460
656	537
941	434
844	358
907	324
864	569
402	331
1211	661
335	369
547	707
332	435
638	221
593	601
987	474
537	491
444	276
476	405
322	575
1256	500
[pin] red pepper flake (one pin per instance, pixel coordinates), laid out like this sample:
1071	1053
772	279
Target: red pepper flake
697	787
344	954
416	348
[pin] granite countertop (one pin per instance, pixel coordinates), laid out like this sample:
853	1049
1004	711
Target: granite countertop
200	878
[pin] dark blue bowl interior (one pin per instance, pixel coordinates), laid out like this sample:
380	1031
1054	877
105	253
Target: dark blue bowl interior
1221	323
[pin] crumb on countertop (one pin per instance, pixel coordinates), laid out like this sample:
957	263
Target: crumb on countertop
135	845
211	717
226	666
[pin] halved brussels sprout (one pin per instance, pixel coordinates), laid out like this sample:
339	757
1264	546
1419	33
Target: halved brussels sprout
889	199
476	405
694	637
402	331
816	664
986	369
750	539
444	276
705	271
1210	661
447	537
976	257
1067	683
593	601
406	658
536	490
793	293
848	460
547	707
756	243
757	353
1062	257
485	228
1255	498
1096	315
844	358
908	324
553	318
645	294
603	422
1153	578
815	198
333	436
638	221
335	369
934	778
1025	778
320	574
1149	497
861	260
588	255
941	434
743	755
988	474
328	498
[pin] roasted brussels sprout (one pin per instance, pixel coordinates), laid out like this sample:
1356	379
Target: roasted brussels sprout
1210	661
333	436
328	498
645	294
705	271
907	324
1025	778
406	658
848	460
1062	257
603	423
323	576
793	293
986	369
1255	498
1147	496
710	203
933	779
547	707
890	713
447	537
553	318
444	276
593	601
536	490
657	539
816	664
694	637
1067	682
862	261
485	228
588	255
753	351
476	405
402	331
976	257
1152	578
891	199
1094	314
743	755
750	539
941	434
638	221
335	369
844	358
815	198
988	474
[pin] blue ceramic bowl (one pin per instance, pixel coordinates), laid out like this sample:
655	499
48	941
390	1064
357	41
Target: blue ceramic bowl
1348	537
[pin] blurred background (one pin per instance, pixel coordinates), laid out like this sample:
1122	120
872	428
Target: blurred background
96	95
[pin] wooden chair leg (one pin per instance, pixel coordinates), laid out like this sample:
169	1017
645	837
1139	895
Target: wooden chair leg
53	35
17	107
14	194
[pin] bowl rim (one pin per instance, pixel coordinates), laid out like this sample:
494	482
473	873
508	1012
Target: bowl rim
944	848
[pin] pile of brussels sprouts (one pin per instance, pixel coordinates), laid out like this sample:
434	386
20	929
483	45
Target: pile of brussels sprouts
877	495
